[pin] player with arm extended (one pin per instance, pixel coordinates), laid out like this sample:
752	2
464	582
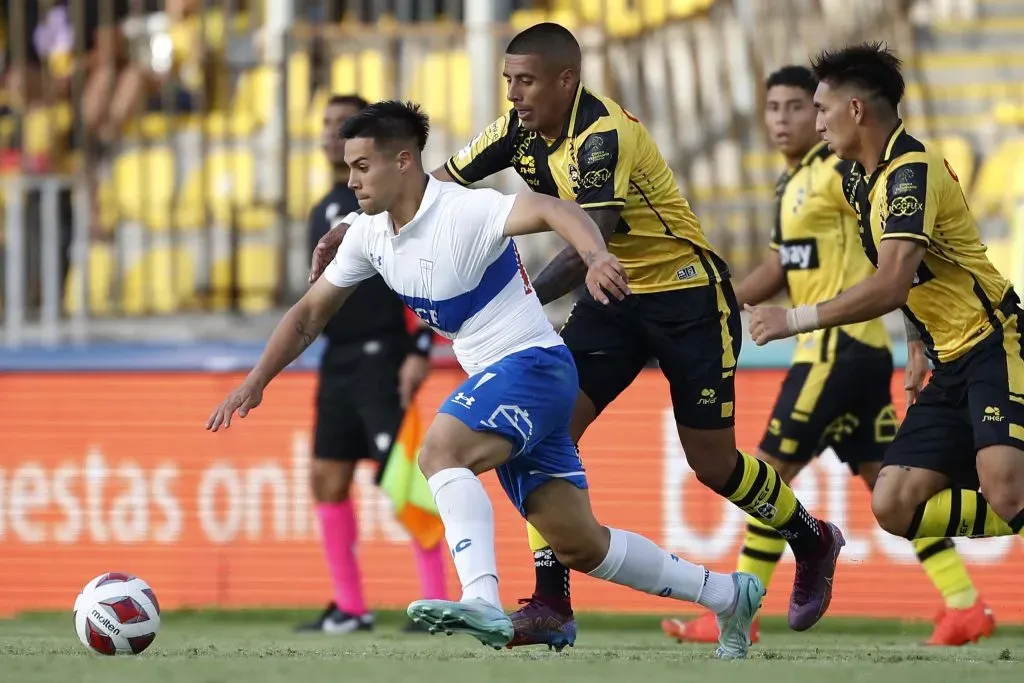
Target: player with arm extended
370	369
964	433
447	252
837	394
569	142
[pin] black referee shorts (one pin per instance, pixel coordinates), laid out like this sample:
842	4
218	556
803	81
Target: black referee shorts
358	410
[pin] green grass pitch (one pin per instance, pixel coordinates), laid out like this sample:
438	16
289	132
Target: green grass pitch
259	647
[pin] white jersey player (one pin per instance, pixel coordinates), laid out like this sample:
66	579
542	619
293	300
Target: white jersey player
447	251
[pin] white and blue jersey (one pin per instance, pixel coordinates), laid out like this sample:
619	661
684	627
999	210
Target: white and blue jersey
456	269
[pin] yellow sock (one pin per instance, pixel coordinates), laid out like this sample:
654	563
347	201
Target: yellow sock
945	567
537	541
959	512
761	552
757	489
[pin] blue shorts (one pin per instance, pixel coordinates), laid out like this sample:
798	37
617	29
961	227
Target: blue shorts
528	398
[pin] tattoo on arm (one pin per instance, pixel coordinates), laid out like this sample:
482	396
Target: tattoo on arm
913	334
567	270
301	329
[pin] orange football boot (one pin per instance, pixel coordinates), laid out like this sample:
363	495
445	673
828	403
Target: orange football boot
956	627
703	629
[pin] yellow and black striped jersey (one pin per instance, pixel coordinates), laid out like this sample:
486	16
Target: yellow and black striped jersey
605	158
958	297
817	237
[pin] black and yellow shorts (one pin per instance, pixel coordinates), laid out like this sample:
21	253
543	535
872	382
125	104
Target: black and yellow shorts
970	403
693	333
844	404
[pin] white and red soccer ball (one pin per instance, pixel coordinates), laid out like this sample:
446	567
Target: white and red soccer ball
117	614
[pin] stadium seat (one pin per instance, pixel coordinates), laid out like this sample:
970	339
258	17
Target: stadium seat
257	278
309	178
100	272
366	73
988	195
441	82
141	188
162	281
225	183
960	155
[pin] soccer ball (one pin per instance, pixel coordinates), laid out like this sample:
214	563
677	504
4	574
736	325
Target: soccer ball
117	614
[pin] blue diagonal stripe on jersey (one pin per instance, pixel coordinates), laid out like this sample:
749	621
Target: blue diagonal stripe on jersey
451	313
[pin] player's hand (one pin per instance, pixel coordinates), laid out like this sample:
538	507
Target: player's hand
606	274
243	399
410	376
767	323
915	372
325	250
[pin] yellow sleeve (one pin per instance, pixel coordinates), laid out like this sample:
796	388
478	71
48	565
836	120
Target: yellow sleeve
605	157
488	153
910	200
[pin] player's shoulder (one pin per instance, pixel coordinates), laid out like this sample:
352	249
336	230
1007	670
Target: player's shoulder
905	150
595	113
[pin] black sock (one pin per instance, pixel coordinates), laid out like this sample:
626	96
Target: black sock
552	576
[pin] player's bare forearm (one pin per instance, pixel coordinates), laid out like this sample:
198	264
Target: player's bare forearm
567	270
767	280
913	334
441	173
883	292
299	327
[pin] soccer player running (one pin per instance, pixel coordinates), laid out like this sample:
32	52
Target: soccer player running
568	142
369	371
963	434
447	252
838	391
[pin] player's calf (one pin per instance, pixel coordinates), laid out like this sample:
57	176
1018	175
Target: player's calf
1001	473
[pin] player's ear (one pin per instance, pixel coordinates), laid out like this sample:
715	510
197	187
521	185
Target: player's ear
567	79
405	160
857	109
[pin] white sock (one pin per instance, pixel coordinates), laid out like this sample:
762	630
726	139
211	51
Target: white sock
636	562
468	520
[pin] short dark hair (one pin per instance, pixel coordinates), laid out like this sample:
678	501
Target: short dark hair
869	66
389	122
550	41
351	100
794	76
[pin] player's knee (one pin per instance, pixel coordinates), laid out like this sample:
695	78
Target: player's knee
1001	473
331	480
892	511
583	551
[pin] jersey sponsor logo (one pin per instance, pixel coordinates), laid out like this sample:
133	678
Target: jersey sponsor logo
594	151
596	179
686	273
799	254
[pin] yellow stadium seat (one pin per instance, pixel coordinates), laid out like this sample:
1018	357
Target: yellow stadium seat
1000	253
162	281
988	195
309	178
100	282
257	278
225	183
366	74
441	83
141	188
958	152
44	128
